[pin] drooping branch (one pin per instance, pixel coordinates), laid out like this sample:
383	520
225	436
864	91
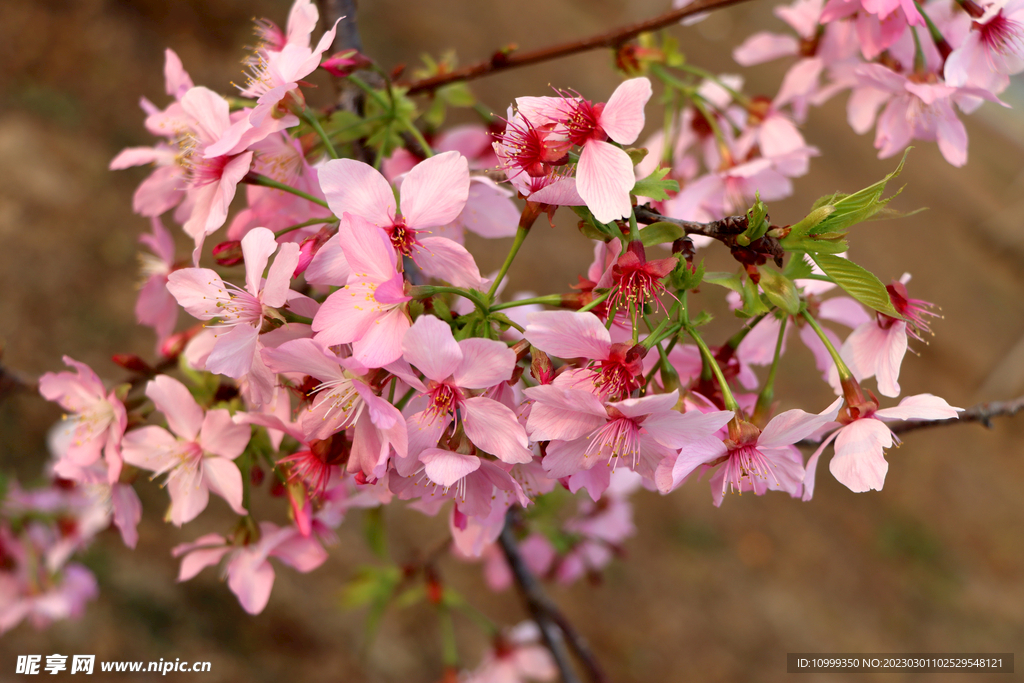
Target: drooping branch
723	230
555	628
983	413
503	60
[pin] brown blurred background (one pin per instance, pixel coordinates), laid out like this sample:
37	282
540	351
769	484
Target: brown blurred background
933	563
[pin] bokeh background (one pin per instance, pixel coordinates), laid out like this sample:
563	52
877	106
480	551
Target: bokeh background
933	563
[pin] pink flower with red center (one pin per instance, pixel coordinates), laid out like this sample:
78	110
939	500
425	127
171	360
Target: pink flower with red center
249	572
528	149
604	173
616	370
197	454
992	50
859	462
583	431
99	417
452	369
637	280
876	348
343	400
433	194
749	459
202	293
516	657
369	312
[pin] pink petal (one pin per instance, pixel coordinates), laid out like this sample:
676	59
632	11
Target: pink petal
843	310
198	291
233	354
795	425
568	334
200	559
493	427
676	431
489	210
430	346
694	454
565	458
920	407
257	246
189	497
346	315
382	342
623	115
151	448
604	177
812	467
448	260
127	511
485	362
559	193
354	187
435	191
222	436
329	266
223	478
251	583
184	416
368	250
951	135
301	554
210	111
445	467
160	192
764	47
563	414
800	80
859	463
307	356
279	279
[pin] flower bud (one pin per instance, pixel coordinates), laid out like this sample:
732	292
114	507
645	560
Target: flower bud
228	253
309	247
176	343
341	64
132	363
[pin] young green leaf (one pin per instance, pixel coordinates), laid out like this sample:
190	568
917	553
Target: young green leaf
859	283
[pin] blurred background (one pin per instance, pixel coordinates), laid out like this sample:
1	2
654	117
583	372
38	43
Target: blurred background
933	563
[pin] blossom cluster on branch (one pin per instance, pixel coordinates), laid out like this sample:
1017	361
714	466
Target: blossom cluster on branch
348	352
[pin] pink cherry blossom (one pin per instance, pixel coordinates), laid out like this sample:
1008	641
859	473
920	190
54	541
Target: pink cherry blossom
433	194
202	293
992	50
99	417
453	371
197	457
515	658
343	400
369	312
859	462
249	572
156	306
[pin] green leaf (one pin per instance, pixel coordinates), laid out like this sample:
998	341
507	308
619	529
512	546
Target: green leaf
591	226
682	278
752	304
757	222
859	283
727	280
660	233
780	290
441	309
860	206
655	186
798	268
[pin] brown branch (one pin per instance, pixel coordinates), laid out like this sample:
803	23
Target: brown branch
983	413
724	230
555	628
503	60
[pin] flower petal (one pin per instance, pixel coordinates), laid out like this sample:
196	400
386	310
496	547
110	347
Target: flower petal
184	416
435	191
604	177
430	346
568	334
623	115
357	188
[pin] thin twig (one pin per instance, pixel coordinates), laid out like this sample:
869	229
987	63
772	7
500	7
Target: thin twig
11	382
502	60
983	413
555	628
722	230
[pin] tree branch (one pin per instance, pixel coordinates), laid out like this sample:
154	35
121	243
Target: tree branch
555	628
503	60
723	230
983	413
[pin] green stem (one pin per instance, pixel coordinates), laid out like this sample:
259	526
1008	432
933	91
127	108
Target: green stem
521	233
267	181
547	300
425	291
743	100
919	60
362	85
598	301
313	121
304	224
405	398
709	360
449	647
634	230
844	372
764	399
940	41
420	140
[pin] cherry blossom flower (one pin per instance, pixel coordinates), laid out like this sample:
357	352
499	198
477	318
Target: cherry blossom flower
369	311
156	306
452	370
202	293
750	459
433	194
992	50
99	417
197	457
604	173
859	462
249	572
517	657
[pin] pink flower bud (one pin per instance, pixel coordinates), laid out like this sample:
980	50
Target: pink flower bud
132	363
343	63
228	253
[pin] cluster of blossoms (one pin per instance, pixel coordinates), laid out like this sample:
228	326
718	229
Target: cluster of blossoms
362	358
